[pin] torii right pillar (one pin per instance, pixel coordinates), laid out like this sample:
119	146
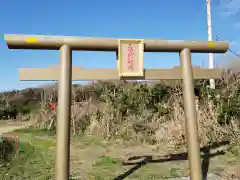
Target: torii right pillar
190	115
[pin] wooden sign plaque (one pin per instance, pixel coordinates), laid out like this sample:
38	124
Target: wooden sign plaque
131	57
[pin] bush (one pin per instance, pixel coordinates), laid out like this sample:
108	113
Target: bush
24	110
150	113
9	112
7	150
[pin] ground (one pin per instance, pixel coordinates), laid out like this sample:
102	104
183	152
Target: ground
97	159
9	125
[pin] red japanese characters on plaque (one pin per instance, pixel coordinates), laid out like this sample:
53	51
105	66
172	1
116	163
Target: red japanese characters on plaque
130	58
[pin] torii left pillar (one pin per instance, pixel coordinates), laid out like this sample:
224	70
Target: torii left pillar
64	113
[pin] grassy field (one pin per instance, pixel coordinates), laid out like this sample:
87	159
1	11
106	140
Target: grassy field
95	158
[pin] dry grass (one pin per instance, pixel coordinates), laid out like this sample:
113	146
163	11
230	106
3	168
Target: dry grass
96	110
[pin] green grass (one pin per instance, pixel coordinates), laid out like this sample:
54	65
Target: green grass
29	164
107	163
89	140
35	160
34	132
95	158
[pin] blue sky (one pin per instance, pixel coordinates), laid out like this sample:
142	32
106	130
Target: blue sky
155	19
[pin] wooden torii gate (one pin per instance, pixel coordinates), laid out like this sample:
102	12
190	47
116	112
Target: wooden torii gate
130	66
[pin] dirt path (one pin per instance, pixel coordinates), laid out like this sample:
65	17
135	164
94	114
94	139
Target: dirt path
9	126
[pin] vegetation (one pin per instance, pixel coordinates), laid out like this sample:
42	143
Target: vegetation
145	113
34	159
133	113
94	158
137	112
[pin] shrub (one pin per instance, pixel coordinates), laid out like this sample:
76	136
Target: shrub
7	149
152	113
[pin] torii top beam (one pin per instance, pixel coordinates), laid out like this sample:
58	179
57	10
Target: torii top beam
48	42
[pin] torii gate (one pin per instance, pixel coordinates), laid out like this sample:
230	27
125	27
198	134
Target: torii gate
130	53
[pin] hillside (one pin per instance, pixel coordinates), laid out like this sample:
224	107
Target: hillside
116	104
129	119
